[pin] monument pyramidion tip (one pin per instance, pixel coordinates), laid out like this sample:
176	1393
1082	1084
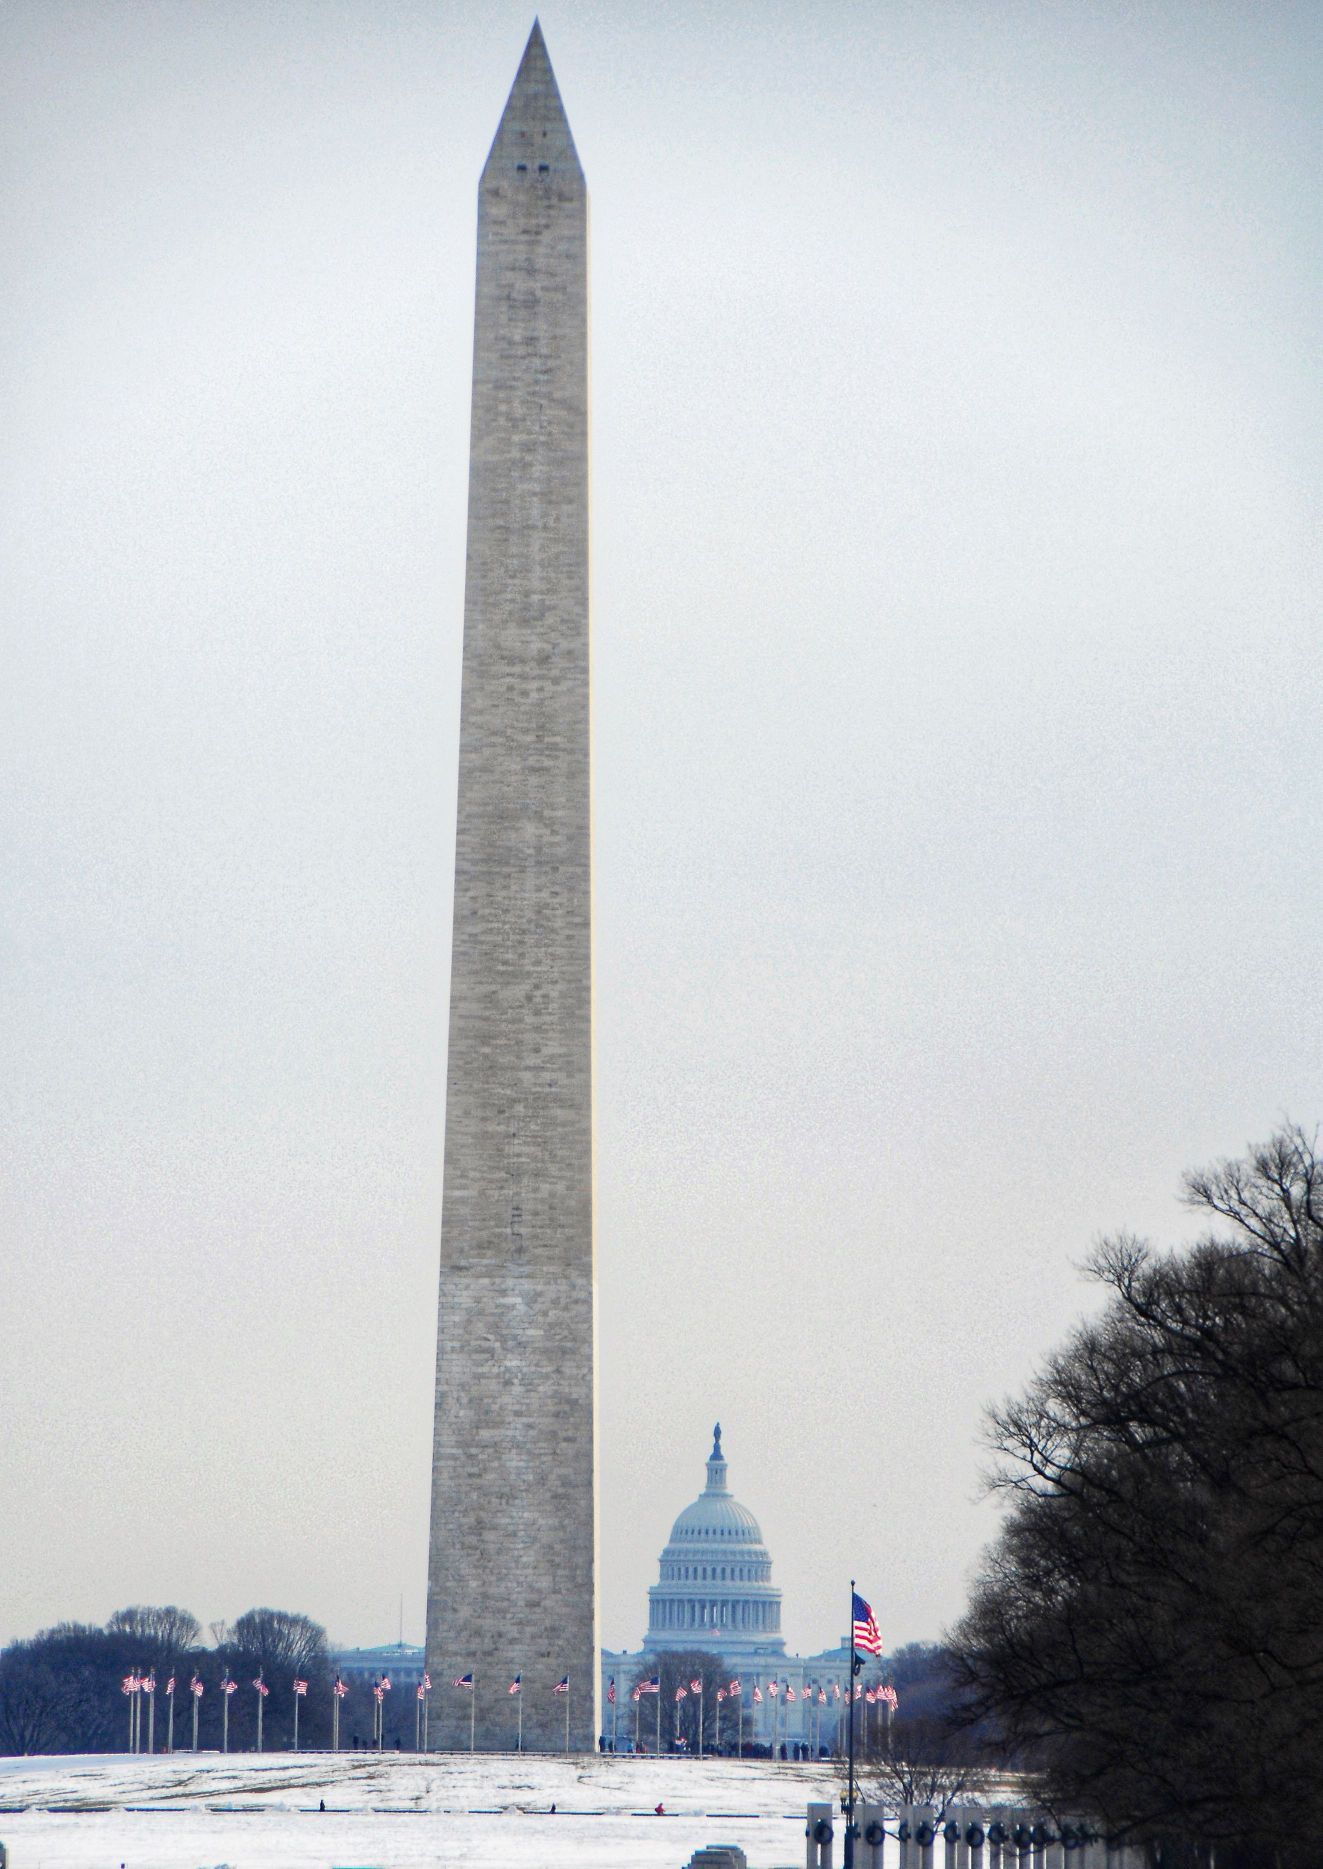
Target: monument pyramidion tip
533	124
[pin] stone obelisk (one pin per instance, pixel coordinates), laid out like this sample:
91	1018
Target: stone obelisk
513	1560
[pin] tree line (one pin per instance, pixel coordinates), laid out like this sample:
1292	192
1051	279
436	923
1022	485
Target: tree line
1146	1635
61	1690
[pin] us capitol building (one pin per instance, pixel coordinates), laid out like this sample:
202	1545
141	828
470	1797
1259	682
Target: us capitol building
714	1592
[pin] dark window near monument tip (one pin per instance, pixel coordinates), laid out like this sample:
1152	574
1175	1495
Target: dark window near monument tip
544	168
522	167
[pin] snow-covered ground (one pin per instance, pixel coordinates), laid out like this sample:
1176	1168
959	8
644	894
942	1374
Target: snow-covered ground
198	1811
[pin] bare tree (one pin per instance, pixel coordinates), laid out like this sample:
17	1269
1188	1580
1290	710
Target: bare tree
160	1628
281	1642
679	1668
1146	1628
921	1761
34	1702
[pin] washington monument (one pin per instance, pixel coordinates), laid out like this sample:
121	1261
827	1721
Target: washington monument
512	1584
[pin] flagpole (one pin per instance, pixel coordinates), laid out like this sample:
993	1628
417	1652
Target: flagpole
659	1701
519	1699
225	1716
260	1698
848	1855
567	1715
296	1720
151	1721
194	1698
473	1706
170	1726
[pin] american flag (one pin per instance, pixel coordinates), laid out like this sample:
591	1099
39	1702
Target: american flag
129	1685
696	1686
637	1694
300	1686
835	1690
869	1696
422	1691
228	1686
888	1693
385	1684
822	1696
734	1688
757	1695
562	1686
377	1693
865	1627
774	1688
339	1690
427	1682
516	1684
790	1692
170	1685
148	1683
650	1687
721	1693
682	1693
463	1680
195	1686
261	1687
611	1692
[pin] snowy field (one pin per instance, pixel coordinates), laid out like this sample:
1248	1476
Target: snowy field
199	1811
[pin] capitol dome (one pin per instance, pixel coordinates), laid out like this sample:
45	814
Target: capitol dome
715	1587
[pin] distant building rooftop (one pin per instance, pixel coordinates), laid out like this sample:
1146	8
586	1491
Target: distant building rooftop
400	1660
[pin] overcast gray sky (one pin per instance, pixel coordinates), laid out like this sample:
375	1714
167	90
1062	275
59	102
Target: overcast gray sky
956	475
